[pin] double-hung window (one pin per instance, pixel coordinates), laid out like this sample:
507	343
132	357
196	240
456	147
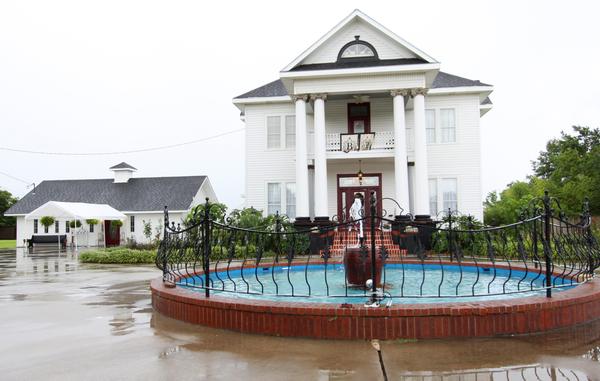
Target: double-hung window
281	197
273	198
449	194
56	226
67	227
430	125
433	195
132	224
447	125
440	125
35	226
290	200
281	132
273	132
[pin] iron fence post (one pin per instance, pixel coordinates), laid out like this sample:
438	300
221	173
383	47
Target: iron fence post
207	248
373	248
547	246
165	239
587	220
450	251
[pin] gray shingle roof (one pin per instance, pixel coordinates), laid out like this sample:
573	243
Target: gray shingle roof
271	89
138	194
442	80
123	165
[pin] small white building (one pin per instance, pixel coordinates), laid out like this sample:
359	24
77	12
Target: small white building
363	100
142	200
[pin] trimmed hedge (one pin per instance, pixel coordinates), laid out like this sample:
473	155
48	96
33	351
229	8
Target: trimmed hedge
119	256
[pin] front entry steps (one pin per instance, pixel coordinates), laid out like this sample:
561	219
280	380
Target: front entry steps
345	239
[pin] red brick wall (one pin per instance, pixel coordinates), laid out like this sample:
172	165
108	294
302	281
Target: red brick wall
418	321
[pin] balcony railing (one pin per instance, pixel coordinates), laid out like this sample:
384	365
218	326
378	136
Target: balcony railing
383	141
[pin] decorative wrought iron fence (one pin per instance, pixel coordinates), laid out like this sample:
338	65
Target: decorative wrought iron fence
400	258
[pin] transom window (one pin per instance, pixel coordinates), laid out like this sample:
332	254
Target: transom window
357	50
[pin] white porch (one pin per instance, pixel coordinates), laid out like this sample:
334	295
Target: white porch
324	122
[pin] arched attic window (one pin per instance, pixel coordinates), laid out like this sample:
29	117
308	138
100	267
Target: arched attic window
357	49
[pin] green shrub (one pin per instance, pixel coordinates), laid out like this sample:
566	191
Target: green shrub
119	255
47	221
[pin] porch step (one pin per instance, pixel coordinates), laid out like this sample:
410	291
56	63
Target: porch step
343	240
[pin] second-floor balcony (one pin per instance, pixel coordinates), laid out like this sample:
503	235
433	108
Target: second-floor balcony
374	144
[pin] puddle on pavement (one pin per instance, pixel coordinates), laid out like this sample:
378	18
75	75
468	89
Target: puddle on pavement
76	321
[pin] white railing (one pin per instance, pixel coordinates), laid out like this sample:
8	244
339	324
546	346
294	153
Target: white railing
384	140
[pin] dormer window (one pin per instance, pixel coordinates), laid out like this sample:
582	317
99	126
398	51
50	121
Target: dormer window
357	49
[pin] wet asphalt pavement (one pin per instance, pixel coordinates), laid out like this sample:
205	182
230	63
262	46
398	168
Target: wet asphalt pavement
62	320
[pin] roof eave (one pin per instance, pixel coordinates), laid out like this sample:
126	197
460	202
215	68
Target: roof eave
359	71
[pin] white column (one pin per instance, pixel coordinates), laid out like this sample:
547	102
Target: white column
321	205
301	158
400	162
421	173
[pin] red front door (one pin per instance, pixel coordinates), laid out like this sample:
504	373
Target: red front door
348	188
112	233
359	118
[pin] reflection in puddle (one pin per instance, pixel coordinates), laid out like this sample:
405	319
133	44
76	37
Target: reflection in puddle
51	300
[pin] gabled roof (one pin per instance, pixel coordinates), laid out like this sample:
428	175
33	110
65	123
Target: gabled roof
442	80
357	14
123	165
138	194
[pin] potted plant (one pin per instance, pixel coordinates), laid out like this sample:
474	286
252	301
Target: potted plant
46	222
75	224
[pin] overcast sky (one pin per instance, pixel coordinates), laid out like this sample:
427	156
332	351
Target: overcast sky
85	76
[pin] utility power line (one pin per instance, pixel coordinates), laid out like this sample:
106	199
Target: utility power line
158	148
16	178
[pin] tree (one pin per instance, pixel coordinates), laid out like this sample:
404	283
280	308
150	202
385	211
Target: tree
506	207
571	166
47	221
6	201
569	169
217	213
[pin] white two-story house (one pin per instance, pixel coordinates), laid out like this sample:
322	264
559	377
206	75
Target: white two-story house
361	111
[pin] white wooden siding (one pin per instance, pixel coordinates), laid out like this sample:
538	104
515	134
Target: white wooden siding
385	46
460	160
357	84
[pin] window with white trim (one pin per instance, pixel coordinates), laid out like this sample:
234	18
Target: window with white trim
56	226
290	200
35	226
290	131
281	197
447	125
67	227
132	224
433	195
449	189
91	228
430	126
273	132
281	131
273	198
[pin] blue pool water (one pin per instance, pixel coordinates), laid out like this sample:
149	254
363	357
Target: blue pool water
408	283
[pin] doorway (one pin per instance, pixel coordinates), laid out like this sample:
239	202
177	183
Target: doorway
359	118
348	186
112	233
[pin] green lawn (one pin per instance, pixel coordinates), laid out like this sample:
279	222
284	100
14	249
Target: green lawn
8	243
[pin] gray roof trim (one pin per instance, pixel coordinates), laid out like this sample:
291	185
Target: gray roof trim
349	64
486	101
138	194
442	80
123	165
